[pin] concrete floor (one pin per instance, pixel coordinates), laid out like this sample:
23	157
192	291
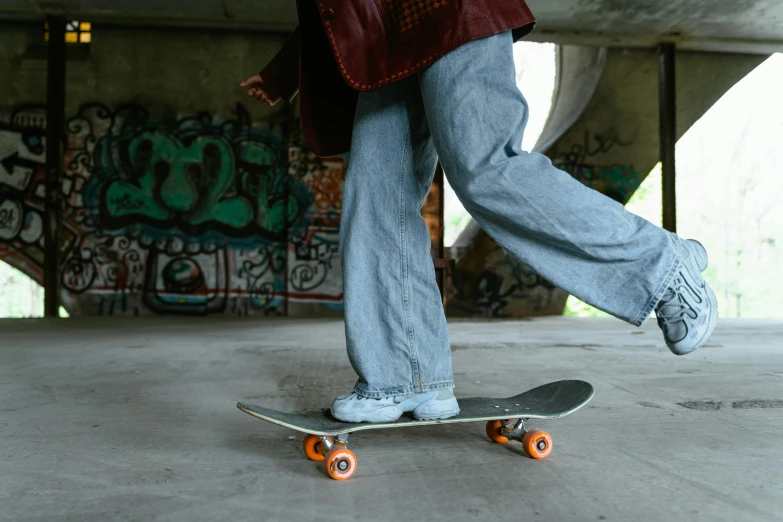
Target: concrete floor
136	420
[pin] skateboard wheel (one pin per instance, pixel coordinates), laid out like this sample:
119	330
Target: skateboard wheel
537	444
340	464
493	431
314	447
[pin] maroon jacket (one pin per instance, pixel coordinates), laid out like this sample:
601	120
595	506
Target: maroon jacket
342	47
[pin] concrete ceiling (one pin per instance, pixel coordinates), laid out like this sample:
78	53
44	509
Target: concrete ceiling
719	25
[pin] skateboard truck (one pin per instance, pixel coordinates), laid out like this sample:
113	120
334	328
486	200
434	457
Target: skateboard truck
339	461
535	443
513	429
339	440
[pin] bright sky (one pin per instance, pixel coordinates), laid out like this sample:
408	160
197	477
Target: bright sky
535	64
729	181
729	187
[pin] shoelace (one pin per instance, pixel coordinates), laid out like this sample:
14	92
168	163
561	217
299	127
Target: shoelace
361	397
671	310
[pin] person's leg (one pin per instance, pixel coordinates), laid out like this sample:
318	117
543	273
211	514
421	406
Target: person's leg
395	326
580	240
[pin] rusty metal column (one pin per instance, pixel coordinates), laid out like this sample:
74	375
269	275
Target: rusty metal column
668	133
440	250
55	123
443	266
288	116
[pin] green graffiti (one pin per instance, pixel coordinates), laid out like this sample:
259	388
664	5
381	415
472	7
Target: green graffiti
615	181
192	180
201	183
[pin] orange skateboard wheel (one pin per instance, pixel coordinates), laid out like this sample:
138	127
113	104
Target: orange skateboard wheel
493	431
340	463
314	447
537	444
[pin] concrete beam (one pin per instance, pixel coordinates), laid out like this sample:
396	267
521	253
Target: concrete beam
649	41
747	26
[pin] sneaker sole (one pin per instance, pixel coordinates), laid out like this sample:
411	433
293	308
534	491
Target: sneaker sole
713	316
437	410
440	416
387	414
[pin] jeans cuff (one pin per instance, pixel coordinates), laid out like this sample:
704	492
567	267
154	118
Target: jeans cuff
361	389
658	295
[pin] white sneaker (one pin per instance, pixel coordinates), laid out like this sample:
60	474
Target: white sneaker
438	404
688	311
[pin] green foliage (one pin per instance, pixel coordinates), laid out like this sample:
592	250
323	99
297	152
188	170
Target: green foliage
576	308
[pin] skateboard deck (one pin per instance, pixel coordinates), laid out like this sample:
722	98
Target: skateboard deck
327	437
550	401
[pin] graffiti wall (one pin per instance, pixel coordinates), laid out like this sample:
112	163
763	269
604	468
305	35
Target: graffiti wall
618	181
196	214
488	282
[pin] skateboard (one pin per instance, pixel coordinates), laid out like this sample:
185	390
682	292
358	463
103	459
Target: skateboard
327	438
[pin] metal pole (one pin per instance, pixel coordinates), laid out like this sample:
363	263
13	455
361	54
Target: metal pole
286	130
55	123
439	182
668	137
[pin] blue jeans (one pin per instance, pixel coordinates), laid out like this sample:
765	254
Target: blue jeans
467	110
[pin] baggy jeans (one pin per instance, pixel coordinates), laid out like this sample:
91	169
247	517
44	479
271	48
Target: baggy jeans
467	110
